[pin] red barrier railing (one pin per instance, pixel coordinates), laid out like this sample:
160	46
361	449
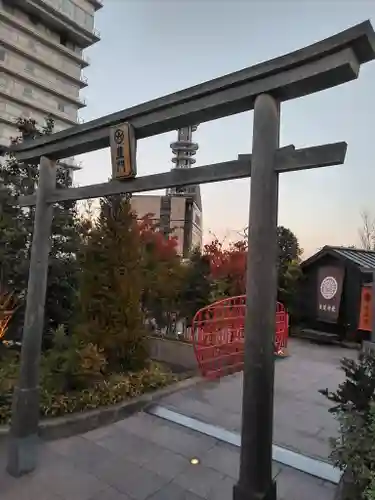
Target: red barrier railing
218	336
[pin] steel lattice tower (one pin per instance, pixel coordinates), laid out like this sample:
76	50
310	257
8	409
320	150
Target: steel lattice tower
184	150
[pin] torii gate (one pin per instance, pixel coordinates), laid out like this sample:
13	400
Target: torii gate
262	87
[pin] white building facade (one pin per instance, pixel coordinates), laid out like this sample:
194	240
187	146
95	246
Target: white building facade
41	60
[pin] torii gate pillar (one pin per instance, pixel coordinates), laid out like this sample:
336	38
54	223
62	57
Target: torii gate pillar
255	480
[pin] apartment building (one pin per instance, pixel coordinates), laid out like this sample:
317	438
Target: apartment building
41	60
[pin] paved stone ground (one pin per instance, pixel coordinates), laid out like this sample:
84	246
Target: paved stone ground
301	422
145	458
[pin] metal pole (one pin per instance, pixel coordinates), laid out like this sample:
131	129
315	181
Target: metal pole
25	411
255	479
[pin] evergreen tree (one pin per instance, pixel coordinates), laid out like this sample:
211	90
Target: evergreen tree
196	291
288	271
288	248
13	241
16	229
110	314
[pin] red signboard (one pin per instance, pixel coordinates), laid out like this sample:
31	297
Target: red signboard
365	312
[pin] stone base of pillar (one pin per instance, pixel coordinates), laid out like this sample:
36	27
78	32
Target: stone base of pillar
22	455
242	493
23	437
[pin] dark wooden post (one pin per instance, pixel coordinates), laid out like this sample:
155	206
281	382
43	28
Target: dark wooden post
25	412
255	479
372	308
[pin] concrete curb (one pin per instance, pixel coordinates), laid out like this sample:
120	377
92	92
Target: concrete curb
79	423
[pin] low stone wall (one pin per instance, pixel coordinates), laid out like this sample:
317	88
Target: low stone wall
177	354
79	423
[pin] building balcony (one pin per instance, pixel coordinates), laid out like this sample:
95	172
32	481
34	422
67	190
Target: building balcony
98	4
46	86
8	120
59	21
32	56
4	146
84	81
84	61
37	106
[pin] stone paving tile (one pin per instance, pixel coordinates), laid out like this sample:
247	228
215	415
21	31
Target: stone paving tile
174	492
79	451
69	482
54	479
165	463
199	480
109	494
99	433
11	487
145	453
155	458
127	445
294	485
168	435
182	441
224	459
141	424
222	490
206	412
29	490
313	446
129	478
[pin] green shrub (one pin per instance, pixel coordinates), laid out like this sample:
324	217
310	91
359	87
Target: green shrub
370	489
354	451
112	389
357	392
354	409
8	377
70	364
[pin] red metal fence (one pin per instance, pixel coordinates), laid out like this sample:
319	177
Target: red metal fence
218	336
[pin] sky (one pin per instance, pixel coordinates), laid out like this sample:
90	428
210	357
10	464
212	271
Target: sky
150	48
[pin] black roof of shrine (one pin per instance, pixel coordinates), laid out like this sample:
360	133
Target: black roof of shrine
364	259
